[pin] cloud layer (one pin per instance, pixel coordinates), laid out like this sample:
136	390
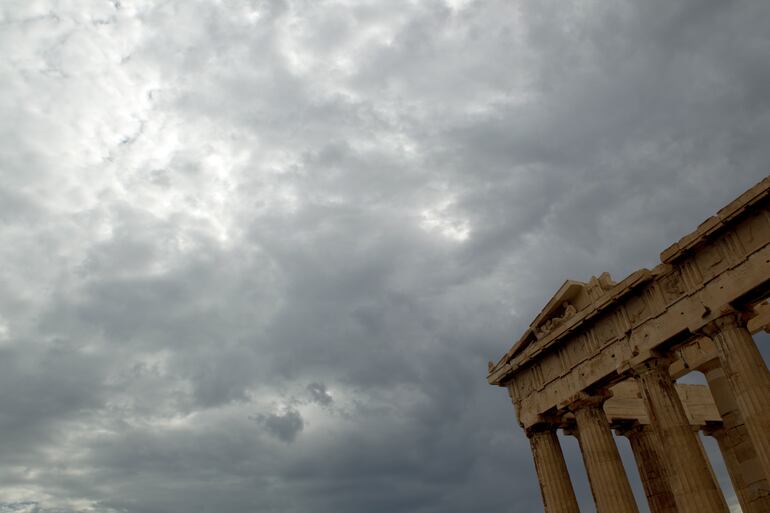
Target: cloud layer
256	254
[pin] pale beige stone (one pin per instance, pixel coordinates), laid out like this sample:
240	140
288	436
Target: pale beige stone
609	483
692	481
626	405
555	484
649	460
741	460
749	380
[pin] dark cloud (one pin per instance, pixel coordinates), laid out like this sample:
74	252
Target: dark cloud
206	206
319	394
284	426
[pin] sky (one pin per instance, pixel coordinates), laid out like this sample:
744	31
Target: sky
255	255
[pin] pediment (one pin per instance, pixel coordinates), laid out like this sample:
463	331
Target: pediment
571	298
561	305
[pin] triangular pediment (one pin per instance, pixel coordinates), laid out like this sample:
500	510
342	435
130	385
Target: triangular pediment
567	293
571	298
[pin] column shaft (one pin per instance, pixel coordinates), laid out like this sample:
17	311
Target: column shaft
555	485
609	483
753	497
657	488
749	380
694	488
736	446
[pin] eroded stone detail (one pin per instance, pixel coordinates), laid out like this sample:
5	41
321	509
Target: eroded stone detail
551	324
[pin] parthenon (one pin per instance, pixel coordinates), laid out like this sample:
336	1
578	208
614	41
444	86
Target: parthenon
604	356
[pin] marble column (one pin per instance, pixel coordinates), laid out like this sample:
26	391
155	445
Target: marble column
692	483
645	446
736	446
748	377
609	483
754	497
555	485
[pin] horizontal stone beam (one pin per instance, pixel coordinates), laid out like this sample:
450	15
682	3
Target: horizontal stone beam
626	404
701	350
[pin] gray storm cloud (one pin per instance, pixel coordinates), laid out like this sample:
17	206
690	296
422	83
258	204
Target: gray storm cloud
319	394
256	254
284	426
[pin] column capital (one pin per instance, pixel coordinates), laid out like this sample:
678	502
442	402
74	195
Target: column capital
594	399
715	431
730	319
540	427
658	363
631	429
710	366
547	422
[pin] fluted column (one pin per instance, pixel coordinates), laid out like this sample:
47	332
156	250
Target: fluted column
754	497
609	483
736	446
555	484
749	380
694	488
645	446
733	467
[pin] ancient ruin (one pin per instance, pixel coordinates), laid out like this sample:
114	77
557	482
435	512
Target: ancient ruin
603	355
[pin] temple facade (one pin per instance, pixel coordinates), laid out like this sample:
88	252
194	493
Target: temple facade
604	356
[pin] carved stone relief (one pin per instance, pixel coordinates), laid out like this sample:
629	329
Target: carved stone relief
567	311
598	286
672	287
637	309
605	330
746	232
572	353
710	260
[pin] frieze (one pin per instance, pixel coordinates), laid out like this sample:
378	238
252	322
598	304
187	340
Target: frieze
637	309
690	273
551	367
733	248
753	231
574	350
711	260
605	330
672	286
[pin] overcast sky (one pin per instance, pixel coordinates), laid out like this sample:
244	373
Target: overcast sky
255	255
